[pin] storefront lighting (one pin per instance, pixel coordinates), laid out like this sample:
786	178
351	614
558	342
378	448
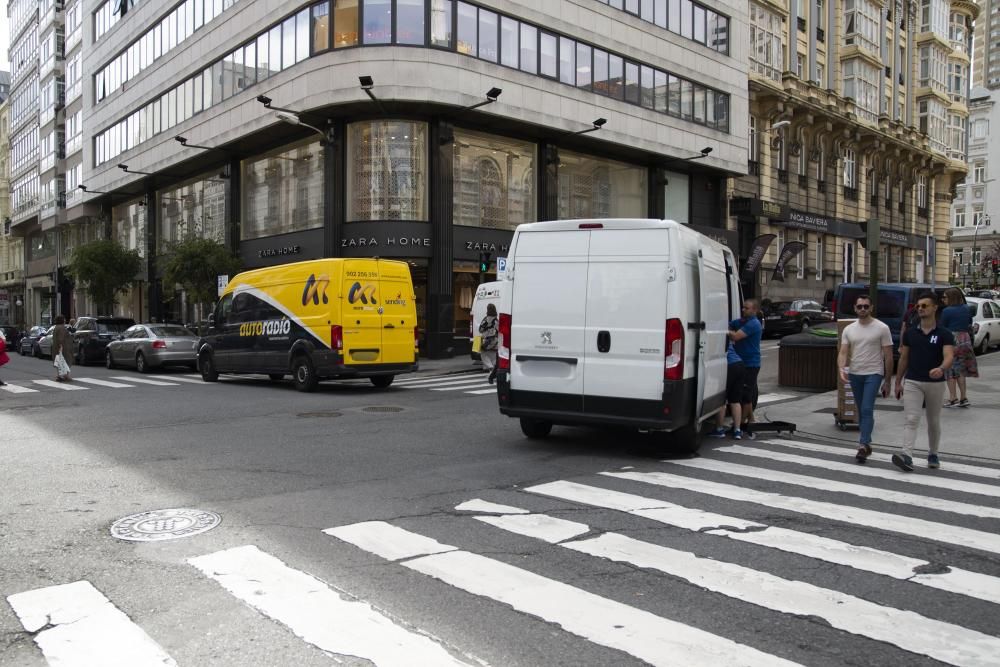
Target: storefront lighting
367	83
703	154
491	96
597	124
293	119
184	142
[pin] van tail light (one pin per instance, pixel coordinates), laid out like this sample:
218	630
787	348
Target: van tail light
592	225
673	362
791	313
159	344
503	343
337	338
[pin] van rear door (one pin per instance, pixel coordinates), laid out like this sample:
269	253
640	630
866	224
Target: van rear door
626	319
361	321
715	301
549	309
398	312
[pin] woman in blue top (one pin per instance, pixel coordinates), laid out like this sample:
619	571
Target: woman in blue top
957	318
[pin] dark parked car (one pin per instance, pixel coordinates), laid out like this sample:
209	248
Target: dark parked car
93	335
785	317
12	336
29	341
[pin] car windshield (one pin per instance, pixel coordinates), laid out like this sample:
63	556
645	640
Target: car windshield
780	306
112	327
168	331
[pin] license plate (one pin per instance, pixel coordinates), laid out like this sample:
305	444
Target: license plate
774	317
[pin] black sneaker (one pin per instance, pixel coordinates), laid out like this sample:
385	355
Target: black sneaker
864	451
964	403
903	462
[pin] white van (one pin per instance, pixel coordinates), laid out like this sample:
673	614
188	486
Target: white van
486	294
618	322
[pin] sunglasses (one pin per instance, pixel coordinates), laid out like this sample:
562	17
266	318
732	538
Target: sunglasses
862	307
923	305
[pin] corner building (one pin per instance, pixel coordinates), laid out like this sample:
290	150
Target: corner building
858	111
425	168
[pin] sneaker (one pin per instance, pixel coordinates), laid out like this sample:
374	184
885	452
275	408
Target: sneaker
718	433
737	435
864	451
903	462
953	403
964	403
933	461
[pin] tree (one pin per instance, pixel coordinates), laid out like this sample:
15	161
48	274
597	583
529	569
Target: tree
107	269
195	264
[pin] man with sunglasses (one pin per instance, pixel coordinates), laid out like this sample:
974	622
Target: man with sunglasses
867	343
925	355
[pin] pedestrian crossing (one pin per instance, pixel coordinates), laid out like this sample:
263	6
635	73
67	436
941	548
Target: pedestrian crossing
908	563
113	382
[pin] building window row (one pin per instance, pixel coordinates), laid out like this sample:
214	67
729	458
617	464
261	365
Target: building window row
958	79
860	81
282	191
23	54
861	21
934	123
24	101
24	148
934	17
683	17
933	68
767	54
24	192
109	13
156	42
533	50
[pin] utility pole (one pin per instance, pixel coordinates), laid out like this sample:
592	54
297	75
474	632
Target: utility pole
872	229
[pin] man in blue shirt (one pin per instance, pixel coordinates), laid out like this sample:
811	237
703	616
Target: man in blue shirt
734	395
746	333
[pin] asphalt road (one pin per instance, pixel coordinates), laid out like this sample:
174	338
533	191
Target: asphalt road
776	561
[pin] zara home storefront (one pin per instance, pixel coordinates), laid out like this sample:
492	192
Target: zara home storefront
324	130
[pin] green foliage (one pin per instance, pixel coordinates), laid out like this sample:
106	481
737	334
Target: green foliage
106	268
195	264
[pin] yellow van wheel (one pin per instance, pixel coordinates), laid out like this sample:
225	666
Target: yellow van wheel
382	381
304	373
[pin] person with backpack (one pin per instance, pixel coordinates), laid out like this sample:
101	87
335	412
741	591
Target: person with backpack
489	331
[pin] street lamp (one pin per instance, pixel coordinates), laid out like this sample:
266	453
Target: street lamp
293	119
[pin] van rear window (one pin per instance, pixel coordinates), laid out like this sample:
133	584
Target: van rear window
891	303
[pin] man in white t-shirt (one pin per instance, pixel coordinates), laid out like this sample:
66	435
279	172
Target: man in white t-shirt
865	361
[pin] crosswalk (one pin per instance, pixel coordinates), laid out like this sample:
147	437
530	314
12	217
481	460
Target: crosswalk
113	382
783	526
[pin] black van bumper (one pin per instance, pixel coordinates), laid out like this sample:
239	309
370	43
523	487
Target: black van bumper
673	411
330	366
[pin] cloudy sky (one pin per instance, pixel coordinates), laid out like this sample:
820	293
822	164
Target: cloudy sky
4	38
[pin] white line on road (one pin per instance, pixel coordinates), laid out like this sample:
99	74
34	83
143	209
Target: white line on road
67	386
157	383
317	613
104	383
912	499
480	392
79	626
639	633
462	387
179	378
441	383
892	475
411	379
17	389
963	468
480	505
764	399
895	523
866	559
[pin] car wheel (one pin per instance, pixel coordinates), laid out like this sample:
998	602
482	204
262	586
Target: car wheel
207	366
536	429
304	373
276	377
805	325
382	381
109	362
984	346
140	363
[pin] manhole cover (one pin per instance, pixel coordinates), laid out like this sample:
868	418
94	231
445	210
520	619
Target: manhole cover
318	415
383	408
169	524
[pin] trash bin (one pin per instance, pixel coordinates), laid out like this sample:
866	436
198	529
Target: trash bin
808	360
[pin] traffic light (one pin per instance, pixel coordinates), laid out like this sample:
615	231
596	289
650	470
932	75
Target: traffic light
484	262
996	267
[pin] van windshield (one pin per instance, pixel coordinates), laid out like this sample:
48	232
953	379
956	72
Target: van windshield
891	303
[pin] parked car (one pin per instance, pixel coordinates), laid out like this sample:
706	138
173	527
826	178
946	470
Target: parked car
785	317
28	345
894	302
44	346
93	335
11	335
985	323
991	294
148	346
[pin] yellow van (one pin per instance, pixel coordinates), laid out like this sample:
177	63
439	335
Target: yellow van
317	320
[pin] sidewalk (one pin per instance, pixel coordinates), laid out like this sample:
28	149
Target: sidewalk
460	364
973	431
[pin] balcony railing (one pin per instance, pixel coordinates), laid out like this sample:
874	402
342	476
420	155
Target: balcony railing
46	116
74	144
47	162
74	91
783	176
753	167
74	38
27	206
72	196
850	193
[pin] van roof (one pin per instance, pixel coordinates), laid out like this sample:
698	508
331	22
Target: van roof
606	223
881	284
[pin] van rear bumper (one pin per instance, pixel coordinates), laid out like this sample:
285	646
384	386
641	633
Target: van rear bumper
673	411
331	366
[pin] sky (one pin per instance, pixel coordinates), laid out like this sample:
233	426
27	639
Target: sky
4	39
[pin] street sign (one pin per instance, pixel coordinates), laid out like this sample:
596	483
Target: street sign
501	267
223	281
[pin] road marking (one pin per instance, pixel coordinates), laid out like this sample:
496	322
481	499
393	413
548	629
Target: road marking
895	523
438	378
178	378
461	388
764	399
480	392
157	383
480	505
867	492
442	383
77	625
963	468
385	540
104	383
639	633
17	389
317	613
539	526
58	385
194	375
893	475
867	559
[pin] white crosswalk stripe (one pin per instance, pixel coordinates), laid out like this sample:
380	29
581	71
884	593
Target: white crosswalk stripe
155	383
180	378
18	389
104	383
65	386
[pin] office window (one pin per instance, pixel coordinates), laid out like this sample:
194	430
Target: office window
441	23
345	23
529	48
378	21
409	21
509	47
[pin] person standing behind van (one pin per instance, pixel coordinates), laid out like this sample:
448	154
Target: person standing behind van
488	348
867	343
957	318
925	353
746	334
734	395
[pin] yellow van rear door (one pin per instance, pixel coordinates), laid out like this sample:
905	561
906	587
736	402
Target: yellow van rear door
399	312
360	319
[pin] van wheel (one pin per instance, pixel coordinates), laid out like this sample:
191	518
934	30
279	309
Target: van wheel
207	366
536	429
382	381
276	377
685	440
304	373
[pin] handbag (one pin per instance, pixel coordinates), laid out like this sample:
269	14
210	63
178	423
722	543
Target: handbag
477	343
62	368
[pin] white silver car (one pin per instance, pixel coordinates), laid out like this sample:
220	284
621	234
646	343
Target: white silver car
985	323
149	346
